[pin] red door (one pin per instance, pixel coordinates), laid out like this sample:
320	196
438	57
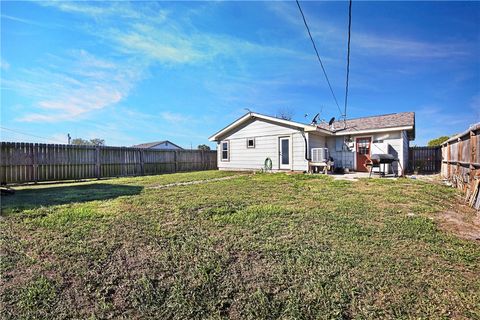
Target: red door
363	153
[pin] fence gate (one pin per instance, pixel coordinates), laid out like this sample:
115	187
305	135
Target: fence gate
425	159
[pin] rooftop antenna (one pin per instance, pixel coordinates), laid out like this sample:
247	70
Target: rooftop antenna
314	120
248	110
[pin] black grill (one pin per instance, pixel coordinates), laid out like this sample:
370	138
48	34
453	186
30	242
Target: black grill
376	160
383	158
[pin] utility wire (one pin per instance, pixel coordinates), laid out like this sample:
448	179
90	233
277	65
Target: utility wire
348	58
32	135
318	56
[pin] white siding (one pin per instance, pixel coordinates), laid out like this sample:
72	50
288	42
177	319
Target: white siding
266	136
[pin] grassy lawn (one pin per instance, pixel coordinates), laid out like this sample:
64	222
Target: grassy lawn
262	246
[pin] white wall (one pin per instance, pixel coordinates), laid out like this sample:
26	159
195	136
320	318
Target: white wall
266	136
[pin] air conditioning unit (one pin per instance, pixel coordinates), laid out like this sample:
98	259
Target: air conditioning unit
320	154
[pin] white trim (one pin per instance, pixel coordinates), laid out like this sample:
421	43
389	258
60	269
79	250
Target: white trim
253	115
355	151
355	133
250	147
228	150
289	165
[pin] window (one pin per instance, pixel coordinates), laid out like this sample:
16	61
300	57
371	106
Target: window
250	142
225	150
363	145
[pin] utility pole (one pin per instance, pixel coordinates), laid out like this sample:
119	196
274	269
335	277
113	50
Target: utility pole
69	138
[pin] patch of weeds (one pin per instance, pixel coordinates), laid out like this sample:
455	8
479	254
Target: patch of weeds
262	305
249	214
147	294
222	208
424	229
65	217
38	298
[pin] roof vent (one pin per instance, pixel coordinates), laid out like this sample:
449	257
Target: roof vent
330	123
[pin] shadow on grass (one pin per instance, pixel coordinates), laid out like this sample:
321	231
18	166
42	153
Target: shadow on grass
56	195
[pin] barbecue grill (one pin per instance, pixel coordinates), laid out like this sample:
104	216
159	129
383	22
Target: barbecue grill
377	160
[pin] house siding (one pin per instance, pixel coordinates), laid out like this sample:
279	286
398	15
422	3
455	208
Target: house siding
266	137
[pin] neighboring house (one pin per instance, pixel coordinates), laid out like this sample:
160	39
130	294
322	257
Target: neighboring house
159	145
247	142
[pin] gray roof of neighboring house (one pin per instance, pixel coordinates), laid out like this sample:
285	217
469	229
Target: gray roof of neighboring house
392	120
149	145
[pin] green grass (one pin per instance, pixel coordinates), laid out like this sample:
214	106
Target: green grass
262	246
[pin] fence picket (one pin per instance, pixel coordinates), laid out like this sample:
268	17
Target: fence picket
35	162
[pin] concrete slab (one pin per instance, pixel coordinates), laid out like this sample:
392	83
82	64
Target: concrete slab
354	176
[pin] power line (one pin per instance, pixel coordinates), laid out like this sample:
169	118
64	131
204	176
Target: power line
348	57
318	56
32	135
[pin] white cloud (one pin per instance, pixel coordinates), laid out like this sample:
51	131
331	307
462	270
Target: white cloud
367	42
74	86
408	48
4	65
176	118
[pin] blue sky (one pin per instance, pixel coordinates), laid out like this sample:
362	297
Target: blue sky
144	71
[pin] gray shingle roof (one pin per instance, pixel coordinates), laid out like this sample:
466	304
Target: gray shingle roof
149	145
392	120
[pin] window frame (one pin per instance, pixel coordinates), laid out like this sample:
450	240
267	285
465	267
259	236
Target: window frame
248	146
227	159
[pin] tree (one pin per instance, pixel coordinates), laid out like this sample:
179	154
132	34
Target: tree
203	147
285	114
85	142
437	141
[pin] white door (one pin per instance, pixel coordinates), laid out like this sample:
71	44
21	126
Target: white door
284	154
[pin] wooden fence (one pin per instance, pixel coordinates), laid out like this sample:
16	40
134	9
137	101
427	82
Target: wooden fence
35	162
461	163
424	159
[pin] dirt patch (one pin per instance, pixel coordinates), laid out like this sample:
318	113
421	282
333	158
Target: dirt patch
464	224
195	182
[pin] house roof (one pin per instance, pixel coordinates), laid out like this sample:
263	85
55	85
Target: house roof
400	121
254	115
149	145
404	120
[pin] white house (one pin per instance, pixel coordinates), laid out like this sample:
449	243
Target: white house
159	145
246	143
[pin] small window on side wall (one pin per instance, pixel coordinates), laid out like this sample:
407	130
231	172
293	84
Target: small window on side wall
250	142
225	147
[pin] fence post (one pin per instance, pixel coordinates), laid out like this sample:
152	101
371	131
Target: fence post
473	151
97	161
35	163
142	162
175	161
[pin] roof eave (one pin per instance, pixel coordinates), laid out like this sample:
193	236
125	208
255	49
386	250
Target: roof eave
251	115
399	128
